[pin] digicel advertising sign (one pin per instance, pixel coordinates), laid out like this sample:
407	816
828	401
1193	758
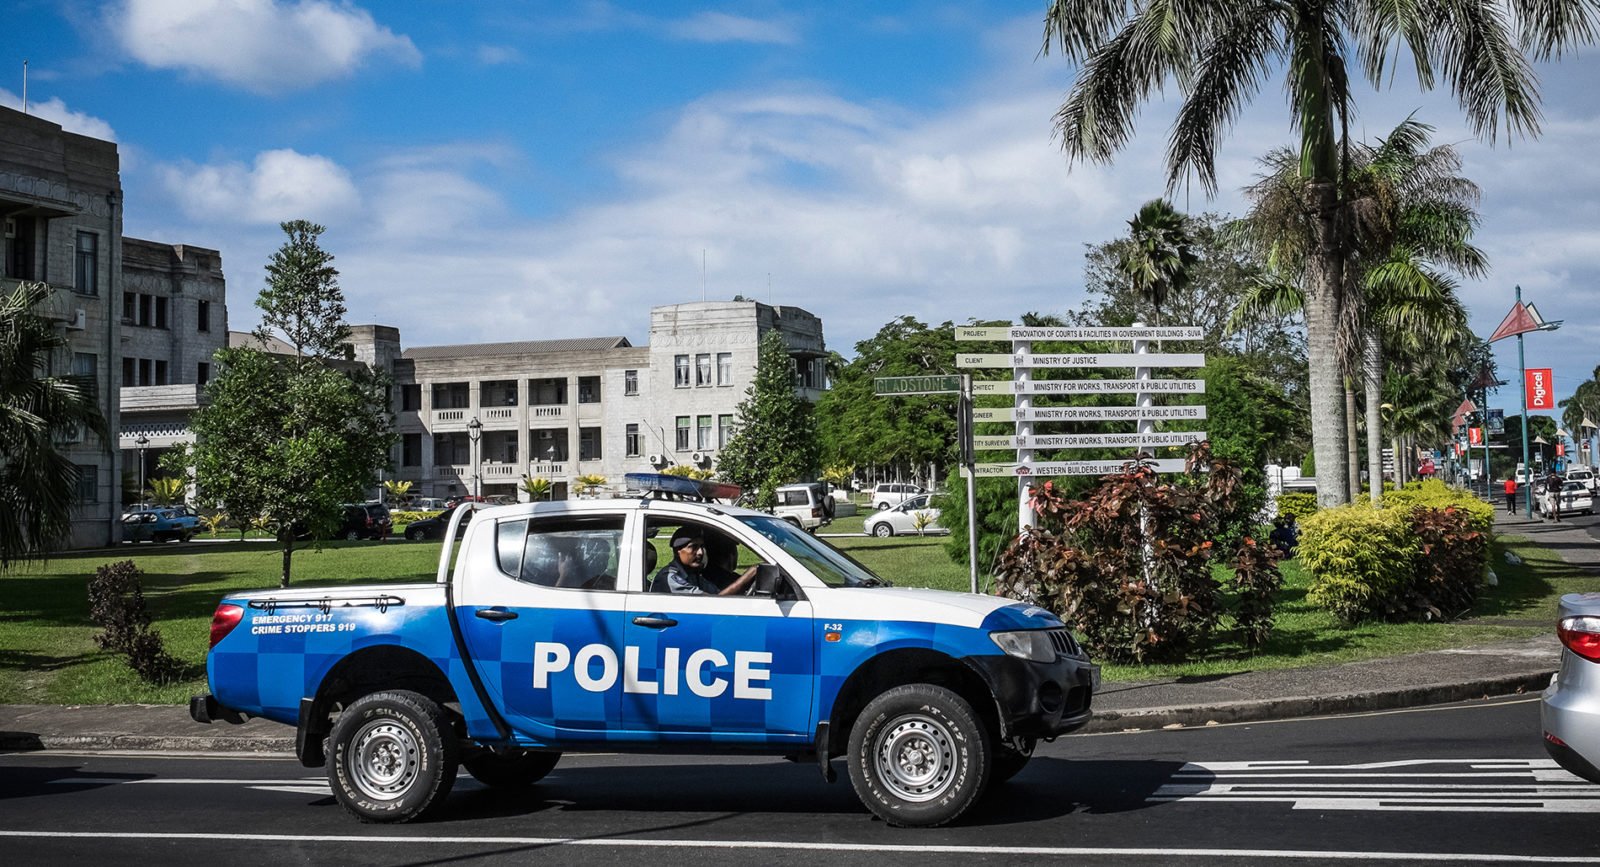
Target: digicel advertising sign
1539	389
1475	436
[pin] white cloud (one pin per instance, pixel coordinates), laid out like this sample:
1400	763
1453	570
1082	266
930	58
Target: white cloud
722	27
280	185
498	55
265	46
56	111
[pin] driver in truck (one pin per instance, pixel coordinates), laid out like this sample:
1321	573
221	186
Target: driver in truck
691	570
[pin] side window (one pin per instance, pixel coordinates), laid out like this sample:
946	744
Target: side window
570	553
724	557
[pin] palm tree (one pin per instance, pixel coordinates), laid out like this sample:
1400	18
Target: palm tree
38	484
1159	254
1582	407
1220	55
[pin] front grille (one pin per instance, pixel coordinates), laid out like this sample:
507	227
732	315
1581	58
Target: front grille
1062	641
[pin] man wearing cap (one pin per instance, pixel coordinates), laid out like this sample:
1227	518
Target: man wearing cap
691	572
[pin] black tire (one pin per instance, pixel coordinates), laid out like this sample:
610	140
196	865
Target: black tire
413	535
186	537
509	769
882	530
392	757
883	505
918	756
352	536
1010	757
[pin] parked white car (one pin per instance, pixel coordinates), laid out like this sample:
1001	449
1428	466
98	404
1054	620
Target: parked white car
893	494
1586	476
1575	499
902	519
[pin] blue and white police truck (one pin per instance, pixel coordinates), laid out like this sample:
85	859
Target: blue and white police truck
558	629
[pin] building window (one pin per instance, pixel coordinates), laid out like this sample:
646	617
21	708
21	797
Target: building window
633	443
144	371
724	368
724	430
703	432
680	374
145	315
161	312
410	397
130	302
86	364
630	382
702	370
683	433
589	444
203	316
88	262
588	389
88	484
411	450
161	372
129	372
203	374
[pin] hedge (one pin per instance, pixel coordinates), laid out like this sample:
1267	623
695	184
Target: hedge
1297	504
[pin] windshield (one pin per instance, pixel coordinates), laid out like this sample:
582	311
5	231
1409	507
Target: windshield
831	566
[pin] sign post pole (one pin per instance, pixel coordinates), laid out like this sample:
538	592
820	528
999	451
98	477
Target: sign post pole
968	459
1522	374
1024	401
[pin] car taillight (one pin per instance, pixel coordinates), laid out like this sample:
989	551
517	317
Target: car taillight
223	622
1581	635
816	511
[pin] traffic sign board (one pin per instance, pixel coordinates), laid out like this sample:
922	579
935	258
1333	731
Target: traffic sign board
1090	413
1071	468
1088	441
904	385
1090	386
1099	359
1184	332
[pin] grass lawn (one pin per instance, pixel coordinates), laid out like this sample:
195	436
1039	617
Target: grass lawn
48	656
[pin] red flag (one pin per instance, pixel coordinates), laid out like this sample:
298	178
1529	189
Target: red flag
1539	389
1475	436
1518	321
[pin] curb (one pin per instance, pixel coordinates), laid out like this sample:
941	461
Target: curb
31	742
1262	710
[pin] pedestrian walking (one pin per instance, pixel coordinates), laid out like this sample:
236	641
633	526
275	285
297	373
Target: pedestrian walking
1552	487
1511	494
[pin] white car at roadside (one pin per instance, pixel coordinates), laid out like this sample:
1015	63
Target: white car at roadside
902	519
1575	499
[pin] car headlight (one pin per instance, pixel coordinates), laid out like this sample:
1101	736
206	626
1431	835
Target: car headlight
1033	645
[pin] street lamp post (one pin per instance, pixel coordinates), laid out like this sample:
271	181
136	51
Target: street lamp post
141	442
475	433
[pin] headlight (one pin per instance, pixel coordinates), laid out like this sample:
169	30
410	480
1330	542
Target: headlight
1033	645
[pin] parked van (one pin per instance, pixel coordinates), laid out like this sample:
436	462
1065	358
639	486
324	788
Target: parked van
806	505
893	494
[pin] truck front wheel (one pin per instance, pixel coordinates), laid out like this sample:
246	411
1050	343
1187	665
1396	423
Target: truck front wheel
918	756
510	768
394	757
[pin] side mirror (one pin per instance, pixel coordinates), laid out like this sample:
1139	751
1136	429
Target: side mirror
769	580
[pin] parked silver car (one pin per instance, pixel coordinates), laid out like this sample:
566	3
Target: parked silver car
1570	707
902	519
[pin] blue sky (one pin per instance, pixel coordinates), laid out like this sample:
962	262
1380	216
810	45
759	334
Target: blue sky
509	171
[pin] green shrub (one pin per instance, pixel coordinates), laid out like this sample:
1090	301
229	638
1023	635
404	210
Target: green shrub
1434	494
1361	559
1452	557
116	605
1297	504
410	517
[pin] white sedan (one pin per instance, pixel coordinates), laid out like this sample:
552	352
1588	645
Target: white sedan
904	518
1575	498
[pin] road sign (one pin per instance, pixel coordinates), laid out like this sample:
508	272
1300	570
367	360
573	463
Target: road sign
1088	441
1099	359
1072	468
1090	386
1090	413
1035	333
905	385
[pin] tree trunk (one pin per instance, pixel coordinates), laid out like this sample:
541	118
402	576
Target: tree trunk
1372	381
1352	453
286	538
1324	277
1399	477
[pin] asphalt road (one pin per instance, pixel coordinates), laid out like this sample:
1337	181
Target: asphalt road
1459	784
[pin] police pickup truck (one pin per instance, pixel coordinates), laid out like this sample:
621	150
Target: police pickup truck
559	629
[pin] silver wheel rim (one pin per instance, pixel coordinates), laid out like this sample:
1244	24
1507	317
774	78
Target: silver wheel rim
385	760
916	758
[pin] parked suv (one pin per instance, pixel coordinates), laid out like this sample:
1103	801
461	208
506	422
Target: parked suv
893	494
1586	476
806	505
365	521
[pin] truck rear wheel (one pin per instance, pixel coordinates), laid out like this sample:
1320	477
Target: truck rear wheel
394	757
918	756
509	769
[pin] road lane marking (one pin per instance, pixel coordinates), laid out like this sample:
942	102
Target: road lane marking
810	846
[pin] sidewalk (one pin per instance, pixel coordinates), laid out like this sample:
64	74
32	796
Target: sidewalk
1503	668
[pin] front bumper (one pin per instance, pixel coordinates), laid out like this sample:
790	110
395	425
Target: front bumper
1039	699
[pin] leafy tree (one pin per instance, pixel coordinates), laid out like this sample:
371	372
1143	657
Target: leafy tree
775	436
397	489
1159	254
1582	406
38	409
165	492
590	483
537	488
1220	54
289	439
1249	421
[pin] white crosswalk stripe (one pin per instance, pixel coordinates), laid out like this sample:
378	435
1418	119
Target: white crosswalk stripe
1408	785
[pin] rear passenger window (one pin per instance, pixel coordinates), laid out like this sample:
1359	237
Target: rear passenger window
571	553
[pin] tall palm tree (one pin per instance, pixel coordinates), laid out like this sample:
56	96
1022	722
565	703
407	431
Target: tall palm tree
38	484
1219	55
1159	255
1582	406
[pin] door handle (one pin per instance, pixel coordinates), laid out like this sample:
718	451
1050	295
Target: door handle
654	622
498	615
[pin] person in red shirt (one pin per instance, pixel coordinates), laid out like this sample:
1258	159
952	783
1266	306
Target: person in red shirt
1511	494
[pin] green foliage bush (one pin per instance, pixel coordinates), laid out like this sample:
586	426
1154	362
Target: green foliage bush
1451	560
410	517
1360	558
116	605
1298	504
1434	494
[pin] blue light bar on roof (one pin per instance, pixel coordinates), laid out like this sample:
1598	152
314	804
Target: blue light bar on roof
681	486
